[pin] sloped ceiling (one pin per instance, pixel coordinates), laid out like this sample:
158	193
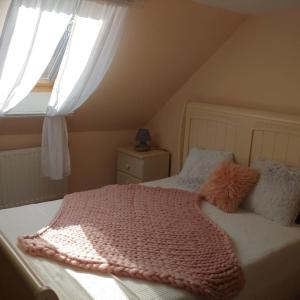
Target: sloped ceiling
163	43
253	6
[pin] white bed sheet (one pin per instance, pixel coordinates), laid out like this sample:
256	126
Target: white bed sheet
269	254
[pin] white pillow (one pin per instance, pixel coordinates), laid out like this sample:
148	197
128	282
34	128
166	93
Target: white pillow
199	164
276	196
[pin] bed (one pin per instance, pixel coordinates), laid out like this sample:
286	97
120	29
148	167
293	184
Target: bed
268	252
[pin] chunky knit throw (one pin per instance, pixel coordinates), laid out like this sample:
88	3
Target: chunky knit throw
154	234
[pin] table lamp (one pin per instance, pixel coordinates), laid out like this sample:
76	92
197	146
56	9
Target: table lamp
143	138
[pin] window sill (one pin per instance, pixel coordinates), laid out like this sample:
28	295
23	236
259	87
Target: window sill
35	104
25	115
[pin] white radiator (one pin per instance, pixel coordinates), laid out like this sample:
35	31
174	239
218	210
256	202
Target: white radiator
21	181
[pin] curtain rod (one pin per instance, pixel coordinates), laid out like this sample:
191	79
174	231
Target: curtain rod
37	115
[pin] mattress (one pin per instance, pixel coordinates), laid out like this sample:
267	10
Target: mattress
268	253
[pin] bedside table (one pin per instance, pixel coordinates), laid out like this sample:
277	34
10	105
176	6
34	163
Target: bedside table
135	167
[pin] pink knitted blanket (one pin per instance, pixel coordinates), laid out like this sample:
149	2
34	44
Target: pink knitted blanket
155	234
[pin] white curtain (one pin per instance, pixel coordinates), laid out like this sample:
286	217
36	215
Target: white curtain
91	47
55	150
30	35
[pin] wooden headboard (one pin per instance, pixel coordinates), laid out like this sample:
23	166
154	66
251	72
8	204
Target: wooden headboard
249	134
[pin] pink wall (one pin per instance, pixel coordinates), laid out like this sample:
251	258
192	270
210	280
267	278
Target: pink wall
258	67
94	157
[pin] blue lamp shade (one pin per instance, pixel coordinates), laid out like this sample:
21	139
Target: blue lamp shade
143	137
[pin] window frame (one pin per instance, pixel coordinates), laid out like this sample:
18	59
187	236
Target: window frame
43	85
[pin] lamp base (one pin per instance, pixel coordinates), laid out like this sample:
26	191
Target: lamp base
142	147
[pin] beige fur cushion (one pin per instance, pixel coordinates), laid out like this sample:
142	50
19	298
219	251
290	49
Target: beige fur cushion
229	185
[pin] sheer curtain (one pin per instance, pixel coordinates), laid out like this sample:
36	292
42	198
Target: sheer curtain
91	47
30	35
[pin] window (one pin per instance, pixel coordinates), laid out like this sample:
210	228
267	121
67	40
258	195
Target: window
48	77
36	102
33	36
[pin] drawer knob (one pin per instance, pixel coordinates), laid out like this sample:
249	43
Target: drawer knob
127	167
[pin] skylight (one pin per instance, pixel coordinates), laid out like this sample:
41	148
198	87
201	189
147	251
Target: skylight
36	101
51	70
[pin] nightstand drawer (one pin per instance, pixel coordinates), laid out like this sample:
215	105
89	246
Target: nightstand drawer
123	178
130	165
134	166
